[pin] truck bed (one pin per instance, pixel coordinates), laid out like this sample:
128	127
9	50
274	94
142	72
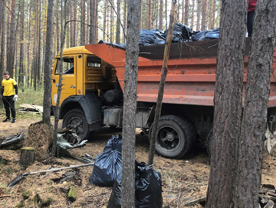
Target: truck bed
191	71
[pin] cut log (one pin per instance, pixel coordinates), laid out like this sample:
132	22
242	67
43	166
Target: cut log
27	156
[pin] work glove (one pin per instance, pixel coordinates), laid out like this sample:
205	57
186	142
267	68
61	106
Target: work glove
15	97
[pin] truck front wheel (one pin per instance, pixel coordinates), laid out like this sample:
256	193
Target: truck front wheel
76	121
175	136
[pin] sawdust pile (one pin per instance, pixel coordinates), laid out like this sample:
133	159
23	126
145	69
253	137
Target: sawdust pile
40	137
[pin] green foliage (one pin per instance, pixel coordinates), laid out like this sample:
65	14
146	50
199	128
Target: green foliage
29	96
72	195
47	202
20	204
9	170
26	194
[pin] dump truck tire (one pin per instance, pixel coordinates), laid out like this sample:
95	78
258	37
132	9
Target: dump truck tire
75	120
175	136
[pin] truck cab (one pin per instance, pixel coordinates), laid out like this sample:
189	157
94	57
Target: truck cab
85	77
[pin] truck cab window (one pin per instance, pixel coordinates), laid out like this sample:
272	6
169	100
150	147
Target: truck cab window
93	61
68	66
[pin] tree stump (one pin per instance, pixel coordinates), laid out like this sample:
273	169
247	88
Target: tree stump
27	156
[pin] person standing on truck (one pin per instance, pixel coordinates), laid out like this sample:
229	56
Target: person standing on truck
9	95
250	16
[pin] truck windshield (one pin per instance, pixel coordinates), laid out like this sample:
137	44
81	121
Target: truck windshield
68	66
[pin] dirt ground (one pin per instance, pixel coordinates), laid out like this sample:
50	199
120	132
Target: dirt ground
183	180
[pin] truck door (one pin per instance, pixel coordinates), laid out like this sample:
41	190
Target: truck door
69	77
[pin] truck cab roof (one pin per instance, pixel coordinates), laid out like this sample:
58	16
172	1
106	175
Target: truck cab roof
74	50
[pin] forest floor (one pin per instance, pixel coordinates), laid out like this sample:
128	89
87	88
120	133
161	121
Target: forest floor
183	180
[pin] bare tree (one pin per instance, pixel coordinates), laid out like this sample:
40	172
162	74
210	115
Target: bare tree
228	104
193	13
118	25
92	33
161	15
125	11
257	91
111	21
48	64
57	24
198	14
12	41
83	15
104	19
2	29
21	64
204	15
187	5
130	97
148	14
161	84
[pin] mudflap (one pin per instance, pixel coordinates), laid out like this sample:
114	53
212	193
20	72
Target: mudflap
90	105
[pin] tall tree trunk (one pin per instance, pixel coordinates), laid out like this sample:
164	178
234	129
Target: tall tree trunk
213	14
118	31
3	30
228	104
162	84
111	22
104	19
82	30
48	65
75	24
204	15
183	11
198	13
125	11
57	24
96	22
8	38
39	45
21	63
148	14
130	96
193	13
210	14
71	24
187	5
257	91
91	30
166	6
12	41
28	77
161	15
87	39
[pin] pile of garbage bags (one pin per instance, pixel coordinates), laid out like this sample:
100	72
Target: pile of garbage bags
181	33
107	172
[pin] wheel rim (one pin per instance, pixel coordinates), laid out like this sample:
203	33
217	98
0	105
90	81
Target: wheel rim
76	124
168	138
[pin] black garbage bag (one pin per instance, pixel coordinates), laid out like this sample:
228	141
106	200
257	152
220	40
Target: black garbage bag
148	188
115	197
108	164
181	33
206	35
151	37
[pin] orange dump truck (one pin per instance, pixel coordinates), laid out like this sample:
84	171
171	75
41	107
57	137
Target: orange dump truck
187	110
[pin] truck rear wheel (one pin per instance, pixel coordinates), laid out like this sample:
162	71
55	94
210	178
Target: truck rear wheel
175	136
75	120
